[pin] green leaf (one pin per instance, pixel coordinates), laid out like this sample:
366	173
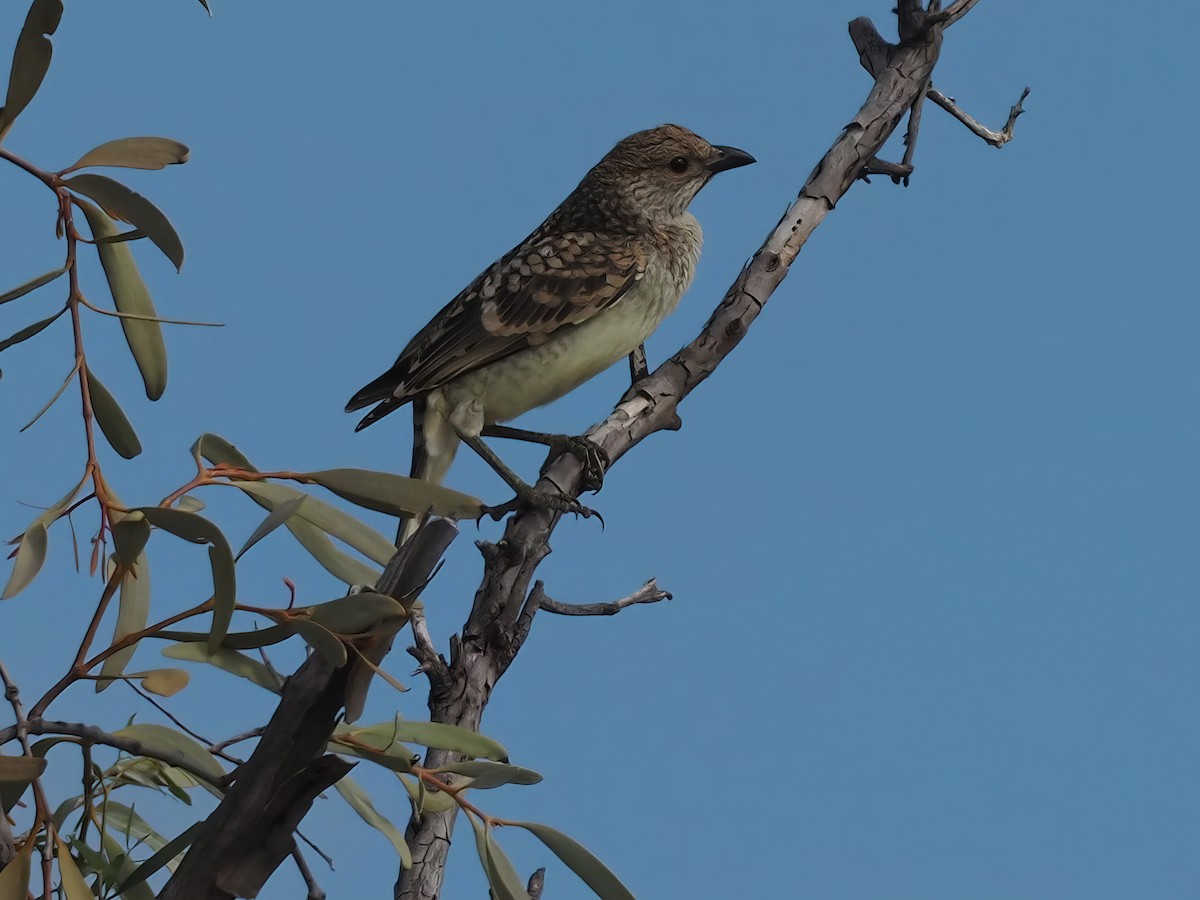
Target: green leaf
129	538
162	739
486	775
49	403
164	682
192	527
16	774
429	734
230	660
133	612
135	153
397	495
328	518
163	856
14	878
130	295
111	418
31	285
238	640
353	794
188	503
219	451
274	519
423	800
581	861
30	330
133	235
321	640
134	209
73	883
30	557
377	744
501	876
31	59
357	613
120	867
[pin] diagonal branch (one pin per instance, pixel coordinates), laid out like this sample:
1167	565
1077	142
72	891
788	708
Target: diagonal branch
995	138
647	593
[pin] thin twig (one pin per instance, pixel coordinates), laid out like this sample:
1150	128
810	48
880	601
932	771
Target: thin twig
647	593
216	749
952	13
317	850
995	138
13	694
314	890
178	724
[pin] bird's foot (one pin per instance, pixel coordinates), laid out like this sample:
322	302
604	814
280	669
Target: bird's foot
592	457
530	496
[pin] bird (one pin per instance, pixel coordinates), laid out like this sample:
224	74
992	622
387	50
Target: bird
582	291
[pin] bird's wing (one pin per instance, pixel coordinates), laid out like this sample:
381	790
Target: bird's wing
545	284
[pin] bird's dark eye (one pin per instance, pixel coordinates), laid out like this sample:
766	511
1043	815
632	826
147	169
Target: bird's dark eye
678	165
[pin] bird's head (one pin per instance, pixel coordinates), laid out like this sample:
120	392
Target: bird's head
653	175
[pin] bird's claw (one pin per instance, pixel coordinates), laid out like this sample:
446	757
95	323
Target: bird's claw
592	457
545	500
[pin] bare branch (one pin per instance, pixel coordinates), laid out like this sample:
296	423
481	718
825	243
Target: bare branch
647	593
432	663
995	138
952	13
898	172
236	739
314	890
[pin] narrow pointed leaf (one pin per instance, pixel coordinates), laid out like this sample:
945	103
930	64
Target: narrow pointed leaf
73	883
328	518
161	857
164	682
238	640
135	153
14	878
192	527
229	660
31	59
120	866
217	450
30	557
130	295
129	538
321	640
111	418
485	775
134	209
353	794
16	774
133	235
581	861
30	330
397	494
133	612
168	740
357	613
501	876
49	403
274	519
31	285
429	734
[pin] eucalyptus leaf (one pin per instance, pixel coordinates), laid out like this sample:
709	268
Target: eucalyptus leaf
113	422
359	800
274	519
164	856
428	734
130	295
133	611
31	59
229	660
486	775
134	209
32	285
501	876
14	878
129	538
30	330
135	153
16	774
581	861
30	557
321	640
164	682
397	495
167	740
73	883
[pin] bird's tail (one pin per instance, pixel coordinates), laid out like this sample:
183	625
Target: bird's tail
434	444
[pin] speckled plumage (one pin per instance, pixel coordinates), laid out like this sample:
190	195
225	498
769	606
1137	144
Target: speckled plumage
581	292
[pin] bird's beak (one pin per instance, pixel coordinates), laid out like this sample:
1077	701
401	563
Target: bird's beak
728	158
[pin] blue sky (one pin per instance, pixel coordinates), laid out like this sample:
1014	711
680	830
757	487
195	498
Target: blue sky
931	530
